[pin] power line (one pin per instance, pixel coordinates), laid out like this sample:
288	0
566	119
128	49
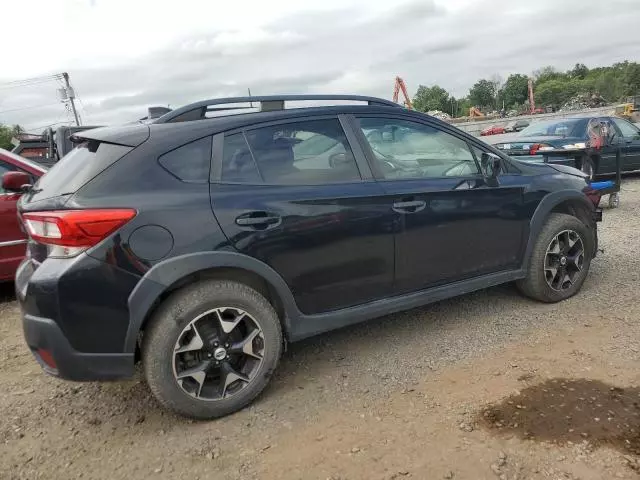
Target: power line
28	108
39	129
27	82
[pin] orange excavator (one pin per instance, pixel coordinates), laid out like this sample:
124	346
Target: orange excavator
400	85
474	112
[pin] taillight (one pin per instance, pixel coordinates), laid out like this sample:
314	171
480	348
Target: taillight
70	232
540	147
47	358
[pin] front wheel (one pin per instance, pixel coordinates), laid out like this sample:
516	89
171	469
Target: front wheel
560	260
587	167
211	348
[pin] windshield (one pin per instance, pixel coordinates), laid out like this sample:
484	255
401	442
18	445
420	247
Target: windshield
556	128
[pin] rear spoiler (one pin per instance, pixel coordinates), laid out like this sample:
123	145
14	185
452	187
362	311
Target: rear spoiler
126	135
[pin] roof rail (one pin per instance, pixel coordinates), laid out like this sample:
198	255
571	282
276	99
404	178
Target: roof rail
198	110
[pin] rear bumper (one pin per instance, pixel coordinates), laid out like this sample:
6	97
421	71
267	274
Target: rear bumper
45	334
75	317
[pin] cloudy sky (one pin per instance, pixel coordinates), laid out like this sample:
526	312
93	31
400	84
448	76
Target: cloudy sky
125	55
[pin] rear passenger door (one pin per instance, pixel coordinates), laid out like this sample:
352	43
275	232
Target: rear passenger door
298	196
453	223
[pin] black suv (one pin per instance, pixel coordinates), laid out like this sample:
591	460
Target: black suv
203	241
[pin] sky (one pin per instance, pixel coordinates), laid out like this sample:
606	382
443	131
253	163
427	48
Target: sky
124	56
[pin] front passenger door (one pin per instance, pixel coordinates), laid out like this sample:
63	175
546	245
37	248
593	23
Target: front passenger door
630	144
452	224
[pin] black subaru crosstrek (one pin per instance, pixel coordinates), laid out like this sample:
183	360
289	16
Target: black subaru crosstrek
202	242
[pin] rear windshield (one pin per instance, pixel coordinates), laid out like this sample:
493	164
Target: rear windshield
78	167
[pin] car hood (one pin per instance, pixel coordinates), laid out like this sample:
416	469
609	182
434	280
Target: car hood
568	170
540	167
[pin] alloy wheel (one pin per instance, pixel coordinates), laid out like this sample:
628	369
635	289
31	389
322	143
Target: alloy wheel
218	354
564	260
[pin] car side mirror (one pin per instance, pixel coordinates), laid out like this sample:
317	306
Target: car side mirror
491	165
15	181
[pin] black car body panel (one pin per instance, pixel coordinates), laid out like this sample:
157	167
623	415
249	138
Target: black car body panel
329	254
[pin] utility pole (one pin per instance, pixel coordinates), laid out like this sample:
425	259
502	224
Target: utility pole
71	96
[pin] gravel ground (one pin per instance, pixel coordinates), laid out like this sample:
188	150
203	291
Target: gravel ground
415	395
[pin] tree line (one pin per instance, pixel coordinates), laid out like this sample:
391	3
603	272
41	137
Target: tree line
551	87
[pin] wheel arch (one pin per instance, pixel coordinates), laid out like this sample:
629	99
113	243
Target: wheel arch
167	277
570	202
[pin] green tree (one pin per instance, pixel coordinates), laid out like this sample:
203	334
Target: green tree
515	90
548	73
6	134
579	71
631	79
609	84
551	92
432	98
483	93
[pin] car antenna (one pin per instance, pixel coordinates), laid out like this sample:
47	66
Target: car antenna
250	102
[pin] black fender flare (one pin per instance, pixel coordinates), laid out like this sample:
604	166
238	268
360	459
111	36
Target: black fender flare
162	275
543	210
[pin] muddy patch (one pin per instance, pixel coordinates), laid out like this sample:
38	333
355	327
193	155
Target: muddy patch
562	410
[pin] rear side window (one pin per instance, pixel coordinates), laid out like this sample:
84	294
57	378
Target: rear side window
191	162
78	167
311	152
238	165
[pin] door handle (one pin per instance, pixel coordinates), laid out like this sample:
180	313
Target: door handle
411	206
258	220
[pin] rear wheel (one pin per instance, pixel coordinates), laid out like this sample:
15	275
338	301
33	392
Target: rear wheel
211	348
560	260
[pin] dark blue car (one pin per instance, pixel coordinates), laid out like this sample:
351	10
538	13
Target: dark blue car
587	143
204	241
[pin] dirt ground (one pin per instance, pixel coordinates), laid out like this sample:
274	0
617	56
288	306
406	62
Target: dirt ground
486	386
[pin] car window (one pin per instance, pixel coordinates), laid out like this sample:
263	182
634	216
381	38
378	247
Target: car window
406	149
237	162
302	153
190	162
627	129
4	168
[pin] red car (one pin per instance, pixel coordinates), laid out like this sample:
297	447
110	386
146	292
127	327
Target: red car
493	130
15	171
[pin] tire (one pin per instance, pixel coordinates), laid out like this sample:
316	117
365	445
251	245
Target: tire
614	200
541	263
194	311
588	167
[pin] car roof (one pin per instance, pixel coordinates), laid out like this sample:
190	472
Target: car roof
21	162
135	134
